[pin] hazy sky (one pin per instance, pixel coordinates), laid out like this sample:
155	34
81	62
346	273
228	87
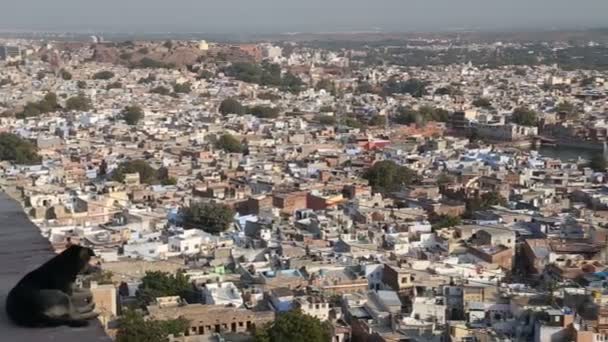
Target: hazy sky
252	16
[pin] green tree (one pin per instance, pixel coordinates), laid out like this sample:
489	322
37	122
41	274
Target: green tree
449	90
524	116
211	217
294	326
408	116
377	120
79	102
387	176
205	75
492	198
365	88
17	150
520	72
482	102
445	221
148	79
292	83
430	113
353	122
414	87
46	105
484	202
327	85
30	109
598	162
160	90
132	327
5	81
444	179
114	85
269	96
169	181
103	75
126	56
264	112
231	106
327	120
132	114
49	103
149	63
182	88
327	109
567	108
162	174
162	284
229	143
147	174
65	75
254	73
266	74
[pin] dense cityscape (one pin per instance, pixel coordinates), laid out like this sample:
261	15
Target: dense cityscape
434	188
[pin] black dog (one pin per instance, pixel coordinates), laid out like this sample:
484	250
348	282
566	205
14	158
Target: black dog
46	297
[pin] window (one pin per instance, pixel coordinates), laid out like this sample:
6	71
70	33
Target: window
317	306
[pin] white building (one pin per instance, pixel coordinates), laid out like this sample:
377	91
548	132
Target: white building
271	51
203	45
222	294
149	251
430	309
193	241
188	242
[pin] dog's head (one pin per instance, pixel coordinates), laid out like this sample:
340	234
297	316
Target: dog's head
81	256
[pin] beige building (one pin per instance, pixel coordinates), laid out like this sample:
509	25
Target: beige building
106	302
209	319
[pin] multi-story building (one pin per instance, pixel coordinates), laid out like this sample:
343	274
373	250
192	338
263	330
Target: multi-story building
209	319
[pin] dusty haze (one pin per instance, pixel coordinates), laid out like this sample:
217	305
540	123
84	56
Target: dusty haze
257	16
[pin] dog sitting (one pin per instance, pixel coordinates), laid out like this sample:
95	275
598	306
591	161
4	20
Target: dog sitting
46	297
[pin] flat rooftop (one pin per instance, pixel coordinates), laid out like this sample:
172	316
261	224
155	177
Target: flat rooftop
22	249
